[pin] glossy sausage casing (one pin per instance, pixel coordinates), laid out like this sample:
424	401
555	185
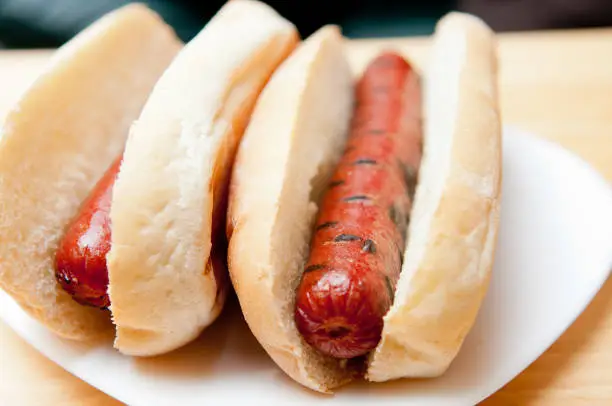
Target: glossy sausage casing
80	261
360	233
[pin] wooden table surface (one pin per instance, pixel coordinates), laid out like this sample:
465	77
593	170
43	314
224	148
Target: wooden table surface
557	84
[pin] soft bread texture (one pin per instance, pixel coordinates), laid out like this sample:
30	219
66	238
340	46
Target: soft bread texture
295	137
452	234
58	141
169	198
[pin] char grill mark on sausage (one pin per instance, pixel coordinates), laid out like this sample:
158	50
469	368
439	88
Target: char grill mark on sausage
346	237
365	161
356	198
339	308
315	267
326	225
369	246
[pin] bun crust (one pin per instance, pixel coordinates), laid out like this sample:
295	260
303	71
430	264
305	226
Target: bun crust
296	135
57	142
169	200
294	139
452	235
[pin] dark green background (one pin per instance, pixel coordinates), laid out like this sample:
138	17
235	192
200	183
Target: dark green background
31	23
49	23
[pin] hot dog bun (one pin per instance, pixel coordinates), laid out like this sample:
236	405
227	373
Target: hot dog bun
295	137
58	140
452	234
297	132
170	197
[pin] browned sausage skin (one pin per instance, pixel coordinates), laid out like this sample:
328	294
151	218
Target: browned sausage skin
357	247
80	261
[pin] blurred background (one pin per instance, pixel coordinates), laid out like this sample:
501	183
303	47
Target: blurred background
49	23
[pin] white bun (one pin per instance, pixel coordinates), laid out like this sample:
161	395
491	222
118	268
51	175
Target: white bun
169	198
452	234
57	142
296	134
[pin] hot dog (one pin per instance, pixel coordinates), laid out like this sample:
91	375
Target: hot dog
361	244
126	142
361	220
80	260
356	253
57	142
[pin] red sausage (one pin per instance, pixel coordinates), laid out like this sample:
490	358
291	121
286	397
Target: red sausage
80	261
357	247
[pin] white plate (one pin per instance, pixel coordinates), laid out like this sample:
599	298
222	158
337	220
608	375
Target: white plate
554	253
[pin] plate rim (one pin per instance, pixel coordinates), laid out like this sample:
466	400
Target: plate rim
515	131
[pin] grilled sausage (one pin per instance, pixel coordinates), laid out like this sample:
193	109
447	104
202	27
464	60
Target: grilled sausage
360	231
80	261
